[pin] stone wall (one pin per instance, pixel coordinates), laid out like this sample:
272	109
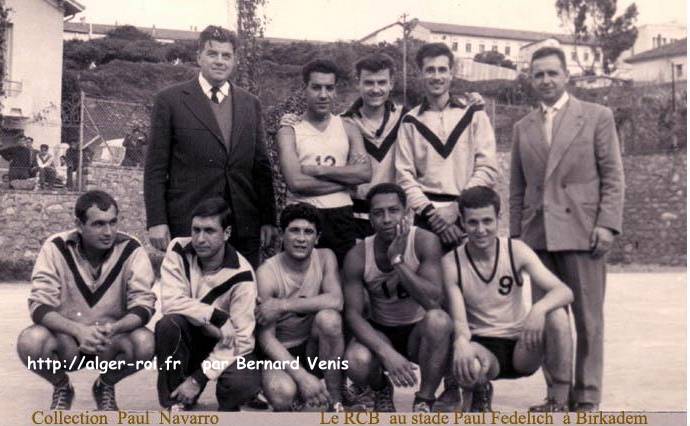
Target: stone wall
654	219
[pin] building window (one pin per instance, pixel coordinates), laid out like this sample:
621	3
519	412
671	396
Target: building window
455	46
481	48
573	56
586	56
507	50
468	48
597	56
494	48
679	70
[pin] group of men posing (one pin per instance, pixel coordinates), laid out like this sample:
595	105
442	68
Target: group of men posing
391	256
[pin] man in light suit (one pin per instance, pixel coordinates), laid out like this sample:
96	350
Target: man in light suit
566	203
207	139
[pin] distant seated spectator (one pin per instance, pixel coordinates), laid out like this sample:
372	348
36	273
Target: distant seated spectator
46	169
21	158
134	148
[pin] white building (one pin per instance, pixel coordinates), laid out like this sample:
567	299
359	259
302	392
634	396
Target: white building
660	65
651	36
33	82
466	41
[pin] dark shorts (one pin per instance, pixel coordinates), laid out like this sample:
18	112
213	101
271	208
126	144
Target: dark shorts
399	335
338	231
503	349
364	228
423	223
296	351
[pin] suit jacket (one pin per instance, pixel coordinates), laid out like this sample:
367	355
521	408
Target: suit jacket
187	161
558	194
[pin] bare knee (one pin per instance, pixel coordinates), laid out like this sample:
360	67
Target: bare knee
557	322
328	323
437	324
280	390
36	341
143	344
360	361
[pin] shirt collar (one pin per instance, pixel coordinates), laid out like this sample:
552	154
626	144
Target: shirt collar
354	109
558	105
206	86
230	258
74	238
453	102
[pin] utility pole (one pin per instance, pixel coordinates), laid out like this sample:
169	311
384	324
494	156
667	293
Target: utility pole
403	20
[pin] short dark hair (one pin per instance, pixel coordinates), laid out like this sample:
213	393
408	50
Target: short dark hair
375	63
219	34
100	199
215	206
432	50
543	52
477	197
300	211
43	145
387	188
325	66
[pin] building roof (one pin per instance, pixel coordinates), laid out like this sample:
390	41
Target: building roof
669	50
157	33
488	32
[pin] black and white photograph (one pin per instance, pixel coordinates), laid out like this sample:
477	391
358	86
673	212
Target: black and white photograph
343	212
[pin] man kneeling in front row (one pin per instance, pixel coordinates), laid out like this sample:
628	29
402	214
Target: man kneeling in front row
496	337
299	313
398	268
208	295
90	299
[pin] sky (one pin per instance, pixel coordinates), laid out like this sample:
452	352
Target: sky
330	20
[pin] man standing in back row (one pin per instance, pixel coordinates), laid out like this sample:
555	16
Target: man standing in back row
207	139
444	146
321	157
566	203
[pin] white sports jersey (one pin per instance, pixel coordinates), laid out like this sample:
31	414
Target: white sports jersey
328	148
379	144
293	329
390	303
494	304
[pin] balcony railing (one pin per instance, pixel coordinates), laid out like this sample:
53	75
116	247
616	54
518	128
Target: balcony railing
12	88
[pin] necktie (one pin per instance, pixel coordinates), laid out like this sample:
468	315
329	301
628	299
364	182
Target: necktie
214	95
548	124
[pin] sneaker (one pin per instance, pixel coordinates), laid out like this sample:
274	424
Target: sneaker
178	406
337	407
258	402
104	395
481	398
550	406
383	398
297	404
421	405
586	407
449	399
358	398
62	396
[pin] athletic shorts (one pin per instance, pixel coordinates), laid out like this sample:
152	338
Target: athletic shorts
503	349
361	212
296	351
399	335
338	231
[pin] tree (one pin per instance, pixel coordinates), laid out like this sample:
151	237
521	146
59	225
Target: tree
250	28
492	57
595	21
128	32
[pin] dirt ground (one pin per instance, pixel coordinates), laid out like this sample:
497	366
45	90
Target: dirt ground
645	357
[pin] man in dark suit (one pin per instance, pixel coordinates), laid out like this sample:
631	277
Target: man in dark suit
566	203
207	139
